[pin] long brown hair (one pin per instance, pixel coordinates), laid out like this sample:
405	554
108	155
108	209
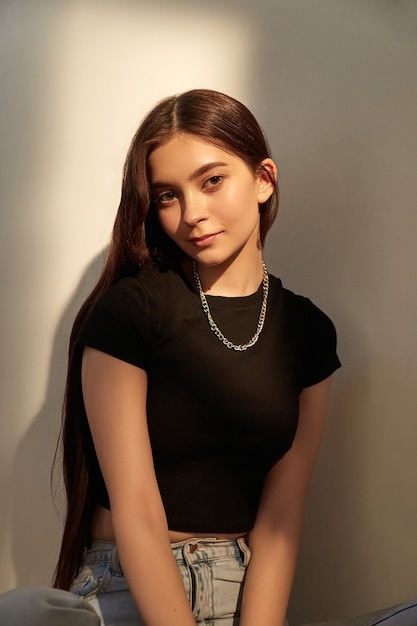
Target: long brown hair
137	242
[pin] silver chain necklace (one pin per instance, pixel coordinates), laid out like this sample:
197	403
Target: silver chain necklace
216	329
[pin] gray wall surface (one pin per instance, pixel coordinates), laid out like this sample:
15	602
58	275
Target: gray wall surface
334	84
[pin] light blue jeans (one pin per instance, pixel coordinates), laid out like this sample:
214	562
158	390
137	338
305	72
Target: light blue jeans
52	607
212	570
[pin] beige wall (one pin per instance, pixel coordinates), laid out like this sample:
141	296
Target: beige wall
334	84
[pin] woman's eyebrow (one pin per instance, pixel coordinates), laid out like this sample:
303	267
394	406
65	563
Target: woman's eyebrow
198	172
206	168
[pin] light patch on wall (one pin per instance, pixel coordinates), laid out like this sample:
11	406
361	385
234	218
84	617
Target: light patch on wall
109	65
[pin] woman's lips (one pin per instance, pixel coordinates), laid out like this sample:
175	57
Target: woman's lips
205	240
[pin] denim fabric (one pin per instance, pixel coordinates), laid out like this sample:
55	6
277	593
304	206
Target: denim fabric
52	607
212	571
45	607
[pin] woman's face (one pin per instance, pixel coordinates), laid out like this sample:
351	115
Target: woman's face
207	199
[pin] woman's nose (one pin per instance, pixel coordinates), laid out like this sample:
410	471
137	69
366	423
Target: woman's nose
194	210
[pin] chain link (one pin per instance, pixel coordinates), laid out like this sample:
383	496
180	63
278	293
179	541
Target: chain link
216	330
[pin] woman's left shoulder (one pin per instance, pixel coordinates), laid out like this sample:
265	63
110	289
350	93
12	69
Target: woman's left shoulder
313	331
301	310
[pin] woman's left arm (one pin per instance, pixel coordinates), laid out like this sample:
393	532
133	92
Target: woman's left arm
275	538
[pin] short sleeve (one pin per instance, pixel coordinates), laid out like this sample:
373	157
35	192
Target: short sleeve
318	354
118	323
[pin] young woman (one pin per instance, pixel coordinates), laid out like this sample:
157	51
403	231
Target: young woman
197	387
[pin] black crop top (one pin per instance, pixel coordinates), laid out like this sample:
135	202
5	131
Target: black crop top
218	419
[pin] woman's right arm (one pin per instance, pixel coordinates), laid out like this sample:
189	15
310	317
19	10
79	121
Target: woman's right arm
115	400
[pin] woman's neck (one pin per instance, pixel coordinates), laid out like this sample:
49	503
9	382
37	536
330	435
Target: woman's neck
236	278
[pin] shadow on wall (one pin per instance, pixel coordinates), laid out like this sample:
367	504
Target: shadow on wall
30	483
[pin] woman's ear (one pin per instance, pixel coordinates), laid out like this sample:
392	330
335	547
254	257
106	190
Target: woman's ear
267	177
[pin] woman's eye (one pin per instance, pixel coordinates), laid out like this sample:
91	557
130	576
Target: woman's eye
165	198
213	181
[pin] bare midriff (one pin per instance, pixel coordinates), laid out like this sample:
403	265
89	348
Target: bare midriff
102	530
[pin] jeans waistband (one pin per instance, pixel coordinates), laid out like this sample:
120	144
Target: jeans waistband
190	551
196	550
103	551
